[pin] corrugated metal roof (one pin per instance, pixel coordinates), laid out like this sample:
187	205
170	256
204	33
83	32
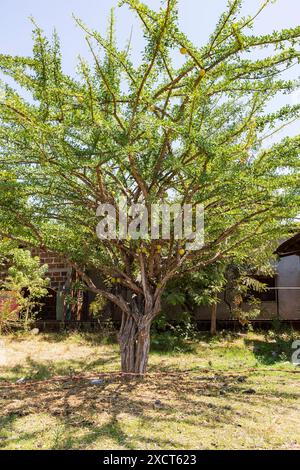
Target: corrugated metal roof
290	246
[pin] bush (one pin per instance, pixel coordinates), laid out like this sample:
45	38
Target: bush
26	281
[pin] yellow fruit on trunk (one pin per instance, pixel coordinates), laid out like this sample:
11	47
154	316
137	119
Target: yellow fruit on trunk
181	251
183	50
202	73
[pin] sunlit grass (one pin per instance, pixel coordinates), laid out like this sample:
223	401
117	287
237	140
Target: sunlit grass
235	391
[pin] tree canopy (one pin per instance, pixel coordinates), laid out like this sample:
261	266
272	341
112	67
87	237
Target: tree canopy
153	132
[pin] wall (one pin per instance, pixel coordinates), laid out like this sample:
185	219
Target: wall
289	276
59	271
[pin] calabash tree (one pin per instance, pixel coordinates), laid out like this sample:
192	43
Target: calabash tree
151	132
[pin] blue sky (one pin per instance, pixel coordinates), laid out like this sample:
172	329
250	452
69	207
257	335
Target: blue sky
197	19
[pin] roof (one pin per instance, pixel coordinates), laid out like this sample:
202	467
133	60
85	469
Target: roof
289	247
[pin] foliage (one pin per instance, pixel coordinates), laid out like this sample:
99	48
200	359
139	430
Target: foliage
203	287
97	305
180	325
224	281
196	133
25	279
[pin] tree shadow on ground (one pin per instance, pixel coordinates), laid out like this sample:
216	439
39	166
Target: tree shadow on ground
78	404
167	343
271	351
156	401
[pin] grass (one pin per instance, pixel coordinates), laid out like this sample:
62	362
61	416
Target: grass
231	392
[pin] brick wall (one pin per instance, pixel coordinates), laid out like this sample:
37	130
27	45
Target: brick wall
59	272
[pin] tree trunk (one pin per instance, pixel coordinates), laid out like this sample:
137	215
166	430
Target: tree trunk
134	340
213	319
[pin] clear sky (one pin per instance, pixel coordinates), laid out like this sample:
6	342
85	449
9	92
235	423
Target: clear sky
197	19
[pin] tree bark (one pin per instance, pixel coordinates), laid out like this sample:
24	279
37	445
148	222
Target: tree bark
134	340
134	334
213	319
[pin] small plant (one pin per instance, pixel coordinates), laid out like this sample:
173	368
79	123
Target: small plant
182	328
96	307
26	280
245	316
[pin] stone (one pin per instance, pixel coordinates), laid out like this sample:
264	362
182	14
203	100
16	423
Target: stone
22	380
241	379
97	382
158	404
34	331
249	391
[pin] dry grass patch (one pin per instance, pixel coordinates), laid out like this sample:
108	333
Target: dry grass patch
207	407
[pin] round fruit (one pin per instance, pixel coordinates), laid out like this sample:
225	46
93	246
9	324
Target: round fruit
181	251
183	51
202	73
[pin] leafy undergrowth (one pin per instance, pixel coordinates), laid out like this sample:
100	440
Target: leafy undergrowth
232	392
